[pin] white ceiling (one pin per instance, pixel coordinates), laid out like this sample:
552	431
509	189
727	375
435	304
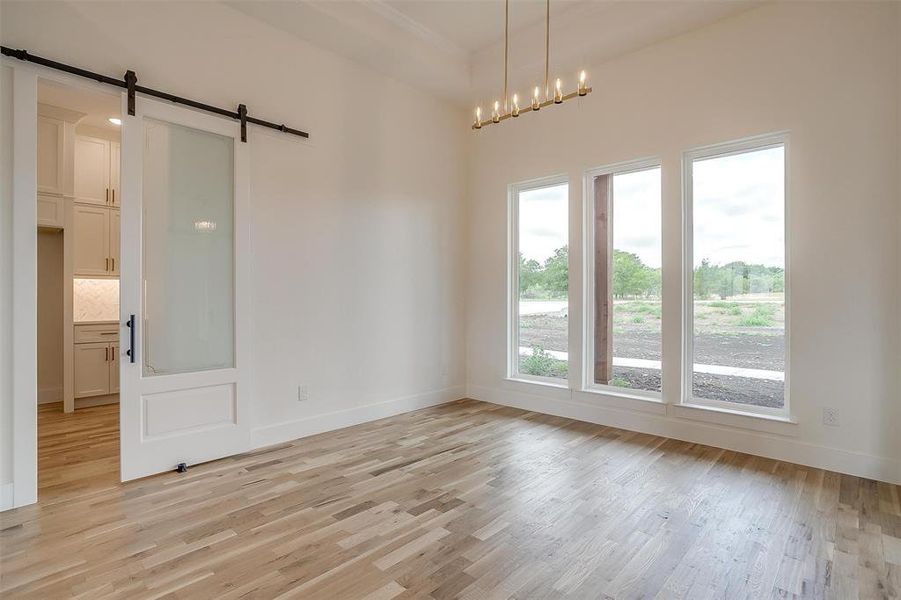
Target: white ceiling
454	48
96	107
473	25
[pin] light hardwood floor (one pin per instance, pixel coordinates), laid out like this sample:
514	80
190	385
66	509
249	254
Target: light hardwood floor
467	500
77	452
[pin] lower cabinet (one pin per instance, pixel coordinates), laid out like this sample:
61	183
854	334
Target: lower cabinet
96	362
92	369
114	368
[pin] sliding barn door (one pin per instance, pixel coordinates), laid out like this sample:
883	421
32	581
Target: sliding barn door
183	302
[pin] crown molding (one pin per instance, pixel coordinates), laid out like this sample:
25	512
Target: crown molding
411	25
58	112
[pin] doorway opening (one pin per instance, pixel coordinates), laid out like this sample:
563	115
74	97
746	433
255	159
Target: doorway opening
78	269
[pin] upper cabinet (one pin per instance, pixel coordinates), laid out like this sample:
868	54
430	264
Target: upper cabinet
51	162
96	209
96	171
51	211
113	233
115	196
95	245
54	169
91	242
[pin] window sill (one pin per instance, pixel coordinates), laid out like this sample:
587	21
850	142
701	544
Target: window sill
778	424
614	392
563	385
622	400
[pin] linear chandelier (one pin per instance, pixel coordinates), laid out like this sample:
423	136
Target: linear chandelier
511	108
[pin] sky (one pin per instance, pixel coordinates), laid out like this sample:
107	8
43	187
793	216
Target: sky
543	221
739	208
636	215
738	212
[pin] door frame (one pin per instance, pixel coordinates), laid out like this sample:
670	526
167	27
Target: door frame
24	273
23	313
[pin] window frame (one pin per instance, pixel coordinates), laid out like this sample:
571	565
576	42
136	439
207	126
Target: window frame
513	192
588	276
725	149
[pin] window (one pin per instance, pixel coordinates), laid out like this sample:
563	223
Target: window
539	255
736	286
623	279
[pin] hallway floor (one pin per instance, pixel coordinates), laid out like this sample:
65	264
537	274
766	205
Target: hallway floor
78	452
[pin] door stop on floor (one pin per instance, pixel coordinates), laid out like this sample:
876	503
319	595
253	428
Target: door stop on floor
181	468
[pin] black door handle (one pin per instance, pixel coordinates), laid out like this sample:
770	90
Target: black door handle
130	323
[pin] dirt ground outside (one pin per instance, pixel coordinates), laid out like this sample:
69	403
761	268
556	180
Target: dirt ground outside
747	334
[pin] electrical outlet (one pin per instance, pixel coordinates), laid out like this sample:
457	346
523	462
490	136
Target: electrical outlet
303	393
830	417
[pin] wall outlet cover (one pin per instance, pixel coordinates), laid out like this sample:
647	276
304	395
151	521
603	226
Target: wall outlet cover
830	417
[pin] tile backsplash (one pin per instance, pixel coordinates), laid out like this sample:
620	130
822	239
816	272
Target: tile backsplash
95	300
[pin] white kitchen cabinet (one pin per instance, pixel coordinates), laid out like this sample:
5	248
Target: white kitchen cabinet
114	368
91	242
113	233
51	167
92	171
96	213
114	158
96	360
51	211
96	332
95	245
92	369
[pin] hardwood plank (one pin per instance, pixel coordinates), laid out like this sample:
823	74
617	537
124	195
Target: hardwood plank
465	500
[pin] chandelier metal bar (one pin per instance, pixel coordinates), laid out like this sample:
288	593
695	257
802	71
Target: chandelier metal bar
527	109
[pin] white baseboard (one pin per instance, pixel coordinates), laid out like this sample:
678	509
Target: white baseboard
784	448
6	496
269	435
96	401
50	395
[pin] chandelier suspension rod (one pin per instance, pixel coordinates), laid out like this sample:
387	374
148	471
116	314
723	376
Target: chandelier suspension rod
506	46
547	46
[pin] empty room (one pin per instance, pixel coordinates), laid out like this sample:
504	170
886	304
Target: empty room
374	299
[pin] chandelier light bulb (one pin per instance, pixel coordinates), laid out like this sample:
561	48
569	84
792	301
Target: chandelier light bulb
496	116
515	112
558	92
583	87
536	103
478	123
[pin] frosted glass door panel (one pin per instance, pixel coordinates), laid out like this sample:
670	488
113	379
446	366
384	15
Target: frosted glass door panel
188	250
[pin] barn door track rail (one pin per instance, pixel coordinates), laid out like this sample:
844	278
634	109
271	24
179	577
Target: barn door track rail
130	83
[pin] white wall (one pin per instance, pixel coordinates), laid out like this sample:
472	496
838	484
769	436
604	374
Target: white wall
828	73
357	278
50	316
